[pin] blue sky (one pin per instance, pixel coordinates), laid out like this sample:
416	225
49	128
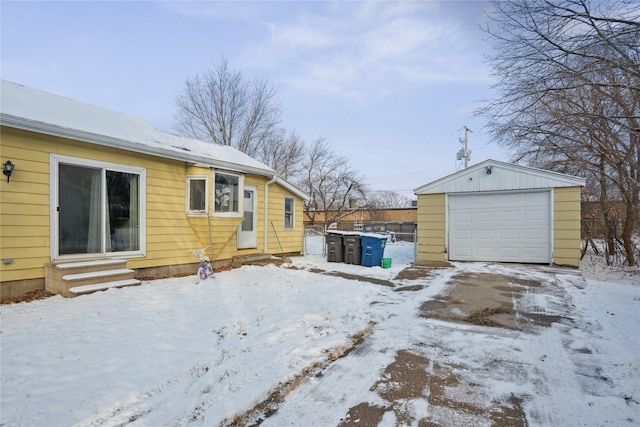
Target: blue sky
389	85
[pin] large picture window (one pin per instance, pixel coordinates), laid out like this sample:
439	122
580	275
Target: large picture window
288	212
227	194
98	207
197	195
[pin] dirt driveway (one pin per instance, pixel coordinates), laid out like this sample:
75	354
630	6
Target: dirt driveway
434	381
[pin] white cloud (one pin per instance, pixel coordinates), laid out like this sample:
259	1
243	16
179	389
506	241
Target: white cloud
344	49
401	37
382	10
348	48
300	36
212	9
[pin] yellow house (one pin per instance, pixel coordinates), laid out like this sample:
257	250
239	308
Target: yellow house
496	211
93	189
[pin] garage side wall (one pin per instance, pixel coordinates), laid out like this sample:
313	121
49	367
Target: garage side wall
566	226
431	227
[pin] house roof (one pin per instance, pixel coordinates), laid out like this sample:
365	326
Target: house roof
34	110
492	175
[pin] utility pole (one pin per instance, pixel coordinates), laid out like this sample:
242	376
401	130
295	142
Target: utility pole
467	153
464	153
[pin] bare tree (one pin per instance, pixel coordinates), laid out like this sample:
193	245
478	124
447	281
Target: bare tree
220	106
387	200
284	152
568	93
378	202
330	181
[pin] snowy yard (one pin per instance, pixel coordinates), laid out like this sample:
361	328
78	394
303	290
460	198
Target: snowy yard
172	352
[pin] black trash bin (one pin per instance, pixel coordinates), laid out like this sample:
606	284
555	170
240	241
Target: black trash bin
351	248
335	247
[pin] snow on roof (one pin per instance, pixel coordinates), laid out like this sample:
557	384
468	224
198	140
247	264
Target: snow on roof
31	109
493	175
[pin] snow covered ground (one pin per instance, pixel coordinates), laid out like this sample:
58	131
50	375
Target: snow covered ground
172	352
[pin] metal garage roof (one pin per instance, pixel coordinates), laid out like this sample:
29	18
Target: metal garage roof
492	175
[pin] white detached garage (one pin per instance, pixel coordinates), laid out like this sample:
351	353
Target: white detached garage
496	211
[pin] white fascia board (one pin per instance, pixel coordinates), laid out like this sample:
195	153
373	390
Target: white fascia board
440	185
571	180
93	138
292	188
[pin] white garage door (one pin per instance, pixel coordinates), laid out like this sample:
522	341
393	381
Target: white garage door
505	227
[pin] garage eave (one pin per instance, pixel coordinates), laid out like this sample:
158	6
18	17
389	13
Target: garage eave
493	175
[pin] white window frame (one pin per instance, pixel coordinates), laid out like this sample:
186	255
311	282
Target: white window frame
293	213
188	209
232	214
55	160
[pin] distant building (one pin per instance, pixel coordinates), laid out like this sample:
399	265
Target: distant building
401	221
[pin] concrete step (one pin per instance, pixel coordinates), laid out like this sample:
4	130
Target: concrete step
92	265
82	279
244	259
87	276
87	289
258	259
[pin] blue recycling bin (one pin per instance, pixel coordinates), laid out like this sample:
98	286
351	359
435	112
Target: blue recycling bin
372	249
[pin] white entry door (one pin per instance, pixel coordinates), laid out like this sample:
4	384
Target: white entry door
247	231
502	226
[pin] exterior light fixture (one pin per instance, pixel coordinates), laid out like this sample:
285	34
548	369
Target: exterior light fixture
488	169
8	169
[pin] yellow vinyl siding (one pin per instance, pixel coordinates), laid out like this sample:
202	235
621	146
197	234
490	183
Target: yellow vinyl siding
290	239
566	226
431	227
170	233
24	207
222	238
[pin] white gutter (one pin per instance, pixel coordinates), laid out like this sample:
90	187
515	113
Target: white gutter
265	244
295	190
150	147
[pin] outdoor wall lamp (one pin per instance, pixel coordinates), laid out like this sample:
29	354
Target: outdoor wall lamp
488	169
8	169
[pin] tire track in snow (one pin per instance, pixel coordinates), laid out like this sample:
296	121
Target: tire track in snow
143	404
361	368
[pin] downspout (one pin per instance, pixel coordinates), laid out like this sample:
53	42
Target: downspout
265	244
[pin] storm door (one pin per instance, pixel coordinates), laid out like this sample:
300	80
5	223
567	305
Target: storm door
98	209
79	210
247	236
